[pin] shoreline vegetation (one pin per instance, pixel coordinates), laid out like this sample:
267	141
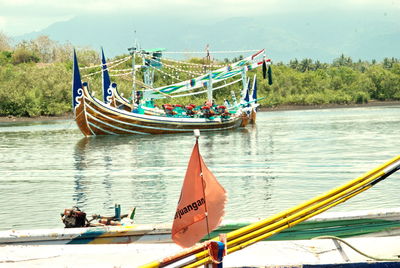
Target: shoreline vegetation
35	80
69	116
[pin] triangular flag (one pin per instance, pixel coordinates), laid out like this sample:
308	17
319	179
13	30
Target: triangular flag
201	204
264	69
254	92
247	96
105	78
76	82
269	75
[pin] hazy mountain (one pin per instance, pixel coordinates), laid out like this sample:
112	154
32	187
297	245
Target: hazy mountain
322	36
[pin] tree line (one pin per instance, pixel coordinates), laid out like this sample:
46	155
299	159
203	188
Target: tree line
35	79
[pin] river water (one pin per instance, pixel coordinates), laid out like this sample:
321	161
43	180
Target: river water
287	158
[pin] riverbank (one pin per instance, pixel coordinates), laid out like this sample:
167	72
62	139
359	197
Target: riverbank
328	106
37	118
262	109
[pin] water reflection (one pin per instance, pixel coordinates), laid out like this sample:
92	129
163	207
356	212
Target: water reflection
107	182
287	158
141	164
95	154
147	171
79	196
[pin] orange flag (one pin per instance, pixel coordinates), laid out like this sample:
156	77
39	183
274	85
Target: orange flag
201	205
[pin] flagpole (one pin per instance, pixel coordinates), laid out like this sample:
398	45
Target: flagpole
197	135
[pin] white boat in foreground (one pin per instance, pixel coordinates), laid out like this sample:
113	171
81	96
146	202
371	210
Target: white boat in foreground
299	253
370	223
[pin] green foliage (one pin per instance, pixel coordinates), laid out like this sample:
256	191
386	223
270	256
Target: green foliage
33	90
5	57
23	55
35	79
342	82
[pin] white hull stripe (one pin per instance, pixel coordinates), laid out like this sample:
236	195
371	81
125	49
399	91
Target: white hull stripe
112	126
194	125
156	119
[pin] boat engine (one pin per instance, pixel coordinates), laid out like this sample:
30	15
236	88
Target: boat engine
74	218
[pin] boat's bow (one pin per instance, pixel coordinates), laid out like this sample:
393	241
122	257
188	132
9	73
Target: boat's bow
78	99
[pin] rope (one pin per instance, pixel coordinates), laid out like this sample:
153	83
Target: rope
204	91
193	64
181	70
89	67
91	74
167	74
76	117
123	74
353	248
144	85
121	70
109	66
179	67
214	52
211	253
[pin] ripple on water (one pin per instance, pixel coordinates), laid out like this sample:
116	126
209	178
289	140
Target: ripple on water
287	158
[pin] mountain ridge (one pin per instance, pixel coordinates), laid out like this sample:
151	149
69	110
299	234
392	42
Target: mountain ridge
322	36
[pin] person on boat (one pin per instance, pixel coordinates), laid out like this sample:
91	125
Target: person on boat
207	111
168	109
189	110
227	103
178	109
165	106
208	103
222	111
138	97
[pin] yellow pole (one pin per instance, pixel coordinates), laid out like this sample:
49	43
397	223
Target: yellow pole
260	224
269	230
246	239
230	250
253	233
288	217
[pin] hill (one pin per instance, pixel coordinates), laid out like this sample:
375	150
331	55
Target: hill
319	36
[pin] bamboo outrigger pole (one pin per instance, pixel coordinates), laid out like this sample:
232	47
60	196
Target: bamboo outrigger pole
261	230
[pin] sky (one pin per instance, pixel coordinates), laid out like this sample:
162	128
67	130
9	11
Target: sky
19	17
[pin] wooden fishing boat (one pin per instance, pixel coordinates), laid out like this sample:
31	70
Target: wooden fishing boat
269	254
116	115
133	246
93	117
370	223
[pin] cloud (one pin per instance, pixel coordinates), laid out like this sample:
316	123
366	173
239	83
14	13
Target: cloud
18	25
183	7
20	16
2	22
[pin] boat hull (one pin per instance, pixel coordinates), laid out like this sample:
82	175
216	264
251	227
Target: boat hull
93	117
299	254
355	224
